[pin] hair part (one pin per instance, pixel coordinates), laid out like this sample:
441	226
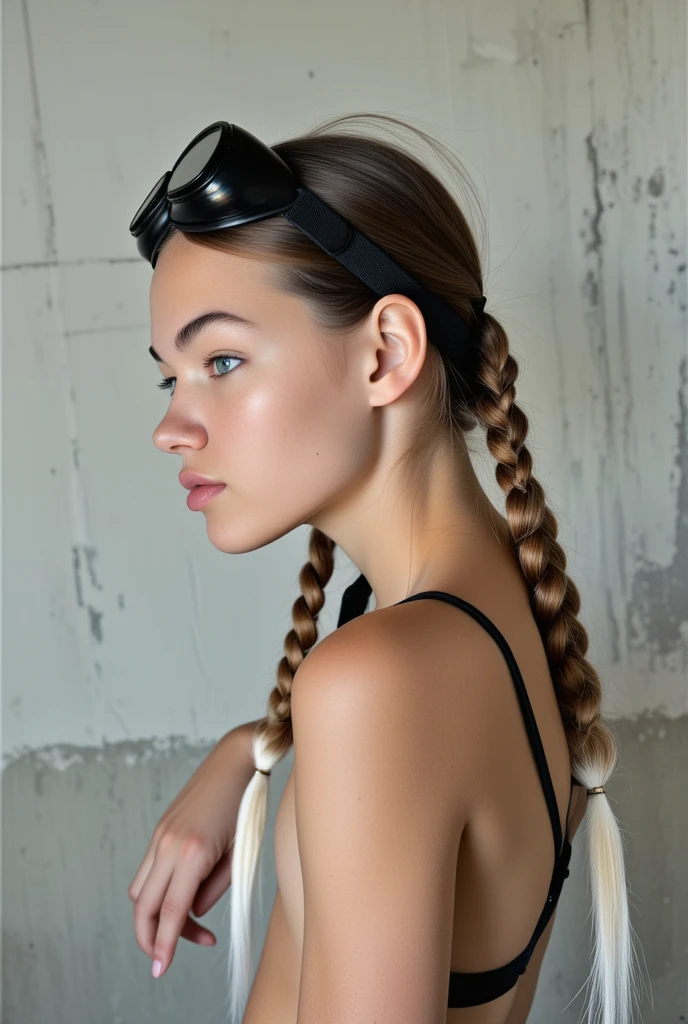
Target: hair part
401	205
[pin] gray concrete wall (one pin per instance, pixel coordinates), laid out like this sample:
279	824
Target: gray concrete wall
128	643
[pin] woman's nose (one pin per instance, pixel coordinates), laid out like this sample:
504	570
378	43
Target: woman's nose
173	433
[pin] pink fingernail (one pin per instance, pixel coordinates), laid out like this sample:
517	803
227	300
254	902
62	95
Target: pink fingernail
157	967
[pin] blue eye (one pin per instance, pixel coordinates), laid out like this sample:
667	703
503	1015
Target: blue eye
167	382
216	359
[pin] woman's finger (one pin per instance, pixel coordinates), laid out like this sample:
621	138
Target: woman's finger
149	901
141	875
195	932
214	886
192	867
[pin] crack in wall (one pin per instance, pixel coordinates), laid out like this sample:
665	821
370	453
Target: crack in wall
86	262
39	141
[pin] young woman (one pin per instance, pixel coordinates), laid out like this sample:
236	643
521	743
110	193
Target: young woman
317	311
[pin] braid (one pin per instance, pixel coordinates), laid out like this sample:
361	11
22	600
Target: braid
274	732
272	738
555	599
555	602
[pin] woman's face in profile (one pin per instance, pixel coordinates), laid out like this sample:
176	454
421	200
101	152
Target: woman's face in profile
264	417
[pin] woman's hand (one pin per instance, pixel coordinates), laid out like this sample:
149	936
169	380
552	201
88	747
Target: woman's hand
187	865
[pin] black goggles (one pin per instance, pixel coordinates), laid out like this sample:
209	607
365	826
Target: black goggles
227	176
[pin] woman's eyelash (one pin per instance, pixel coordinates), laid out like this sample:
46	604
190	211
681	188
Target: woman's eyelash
167	382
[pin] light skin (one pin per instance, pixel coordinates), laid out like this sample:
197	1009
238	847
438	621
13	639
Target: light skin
296	446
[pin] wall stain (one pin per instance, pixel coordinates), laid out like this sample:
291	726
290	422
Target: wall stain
630	461
614	626
588	26
595	244
95	619
593	286
657	183
77	575
659	603
90	553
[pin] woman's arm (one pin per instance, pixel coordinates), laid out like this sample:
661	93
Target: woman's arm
187	865
245	735
378	833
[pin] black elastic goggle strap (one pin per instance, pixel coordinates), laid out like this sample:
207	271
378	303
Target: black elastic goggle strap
453	337
237	178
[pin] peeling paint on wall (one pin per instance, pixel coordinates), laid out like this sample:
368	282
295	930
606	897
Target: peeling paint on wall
658	610
61	756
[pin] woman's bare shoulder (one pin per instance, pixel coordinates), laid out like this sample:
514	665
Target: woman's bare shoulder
391	645
421	670
373	645
397	625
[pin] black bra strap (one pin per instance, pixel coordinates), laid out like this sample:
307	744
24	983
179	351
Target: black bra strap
524	701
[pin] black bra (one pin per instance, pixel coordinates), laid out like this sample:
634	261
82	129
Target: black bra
470	989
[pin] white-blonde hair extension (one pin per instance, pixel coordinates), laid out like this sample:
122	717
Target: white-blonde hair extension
248	841
614	981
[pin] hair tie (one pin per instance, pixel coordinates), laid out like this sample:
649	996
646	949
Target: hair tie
595	789
262	772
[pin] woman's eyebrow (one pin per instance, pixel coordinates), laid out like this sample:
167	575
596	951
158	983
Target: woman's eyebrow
189	331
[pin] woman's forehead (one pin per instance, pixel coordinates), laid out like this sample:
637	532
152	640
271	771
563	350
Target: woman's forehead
190	280
189	275
183	263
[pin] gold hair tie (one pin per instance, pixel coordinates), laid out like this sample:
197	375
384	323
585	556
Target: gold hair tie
262	772
596	789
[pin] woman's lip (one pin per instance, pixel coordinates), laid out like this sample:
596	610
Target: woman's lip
200	495
188	479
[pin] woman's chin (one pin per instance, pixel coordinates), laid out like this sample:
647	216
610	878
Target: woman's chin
226	539
230	538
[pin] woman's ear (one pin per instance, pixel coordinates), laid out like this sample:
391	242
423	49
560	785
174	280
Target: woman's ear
398	343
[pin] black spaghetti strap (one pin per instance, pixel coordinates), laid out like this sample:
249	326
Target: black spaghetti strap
524	701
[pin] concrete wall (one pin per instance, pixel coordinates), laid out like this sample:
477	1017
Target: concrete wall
129	643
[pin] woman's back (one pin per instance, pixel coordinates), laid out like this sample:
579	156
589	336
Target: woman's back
505	849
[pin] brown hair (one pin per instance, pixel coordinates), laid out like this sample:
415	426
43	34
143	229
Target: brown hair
401	205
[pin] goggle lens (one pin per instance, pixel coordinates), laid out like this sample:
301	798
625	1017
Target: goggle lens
191	163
